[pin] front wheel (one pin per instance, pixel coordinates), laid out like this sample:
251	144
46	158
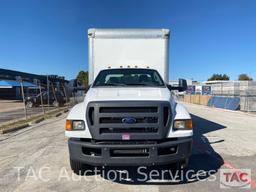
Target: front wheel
79	168
29	104
182	164
56	104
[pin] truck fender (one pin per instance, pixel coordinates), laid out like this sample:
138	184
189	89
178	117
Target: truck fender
78	113
181	112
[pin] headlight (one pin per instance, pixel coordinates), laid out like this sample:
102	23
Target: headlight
183	124
74	125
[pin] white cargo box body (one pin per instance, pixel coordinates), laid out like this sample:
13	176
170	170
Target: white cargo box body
116	48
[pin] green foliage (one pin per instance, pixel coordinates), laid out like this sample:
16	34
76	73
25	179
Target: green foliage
82	77
218	77
244	77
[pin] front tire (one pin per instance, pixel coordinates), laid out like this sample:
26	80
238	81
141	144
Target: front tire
56	104
79	168
182	164
29	104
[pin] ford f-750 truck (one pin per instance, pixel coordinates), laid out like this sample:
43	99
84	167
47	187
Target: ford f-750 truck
128	116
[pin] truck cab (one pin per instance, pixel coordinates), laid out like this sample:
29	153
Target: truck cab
128	116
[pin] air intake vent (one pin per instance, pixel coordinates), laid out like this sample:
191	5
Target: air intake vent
128	109
91	115
140	120
166	115
119	119
129	130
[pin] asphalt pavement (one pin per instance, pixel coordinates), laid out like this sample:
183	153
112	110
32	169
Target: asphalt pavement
36	158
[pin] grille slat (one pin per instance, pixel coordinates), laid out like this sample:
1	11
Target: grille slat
119	119
128	114
119	125
128	110
129	130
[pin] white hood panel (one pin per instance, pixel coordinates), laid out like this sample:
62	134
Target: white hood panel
131	93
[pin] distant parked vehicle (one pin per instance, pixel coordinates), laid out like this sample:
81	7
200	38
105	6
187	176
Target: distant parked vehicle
35	101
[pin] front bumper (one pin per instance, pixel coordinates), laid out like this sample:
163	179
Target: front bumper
99	154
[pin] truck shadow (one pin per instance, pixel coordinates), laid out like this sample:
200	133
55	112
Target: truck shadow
204	163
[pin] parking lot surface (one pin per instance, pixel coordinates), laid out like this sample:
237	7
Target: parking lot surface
11	111
36	158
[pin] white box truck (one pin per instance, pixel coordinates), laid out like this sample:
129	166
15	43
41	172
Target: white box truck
128	116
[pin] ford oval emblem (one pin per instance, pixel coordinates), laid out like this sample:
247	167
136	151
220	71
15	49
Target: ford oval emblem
129	120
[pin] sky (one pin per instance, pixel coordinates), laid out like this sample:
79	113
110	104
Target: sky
207	36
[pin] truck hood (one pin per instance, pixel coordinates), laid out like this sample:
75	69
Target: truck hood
131	93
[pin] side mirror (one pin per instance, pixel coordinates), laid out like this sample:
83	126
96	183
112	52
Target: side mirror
181	87
169	87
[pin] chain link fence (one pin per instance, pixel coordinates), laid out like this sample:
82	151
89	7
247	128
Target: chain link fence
35	101
242	91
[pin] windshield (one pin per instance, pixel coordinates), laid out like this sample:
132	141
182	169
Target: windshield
128	77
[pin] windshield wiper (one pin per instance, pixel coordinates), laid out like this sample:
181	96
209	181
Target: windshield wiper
139	84
114	84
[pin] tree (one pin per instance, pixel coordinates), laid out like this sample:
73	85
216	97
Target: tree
82	77
244	77
218	77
